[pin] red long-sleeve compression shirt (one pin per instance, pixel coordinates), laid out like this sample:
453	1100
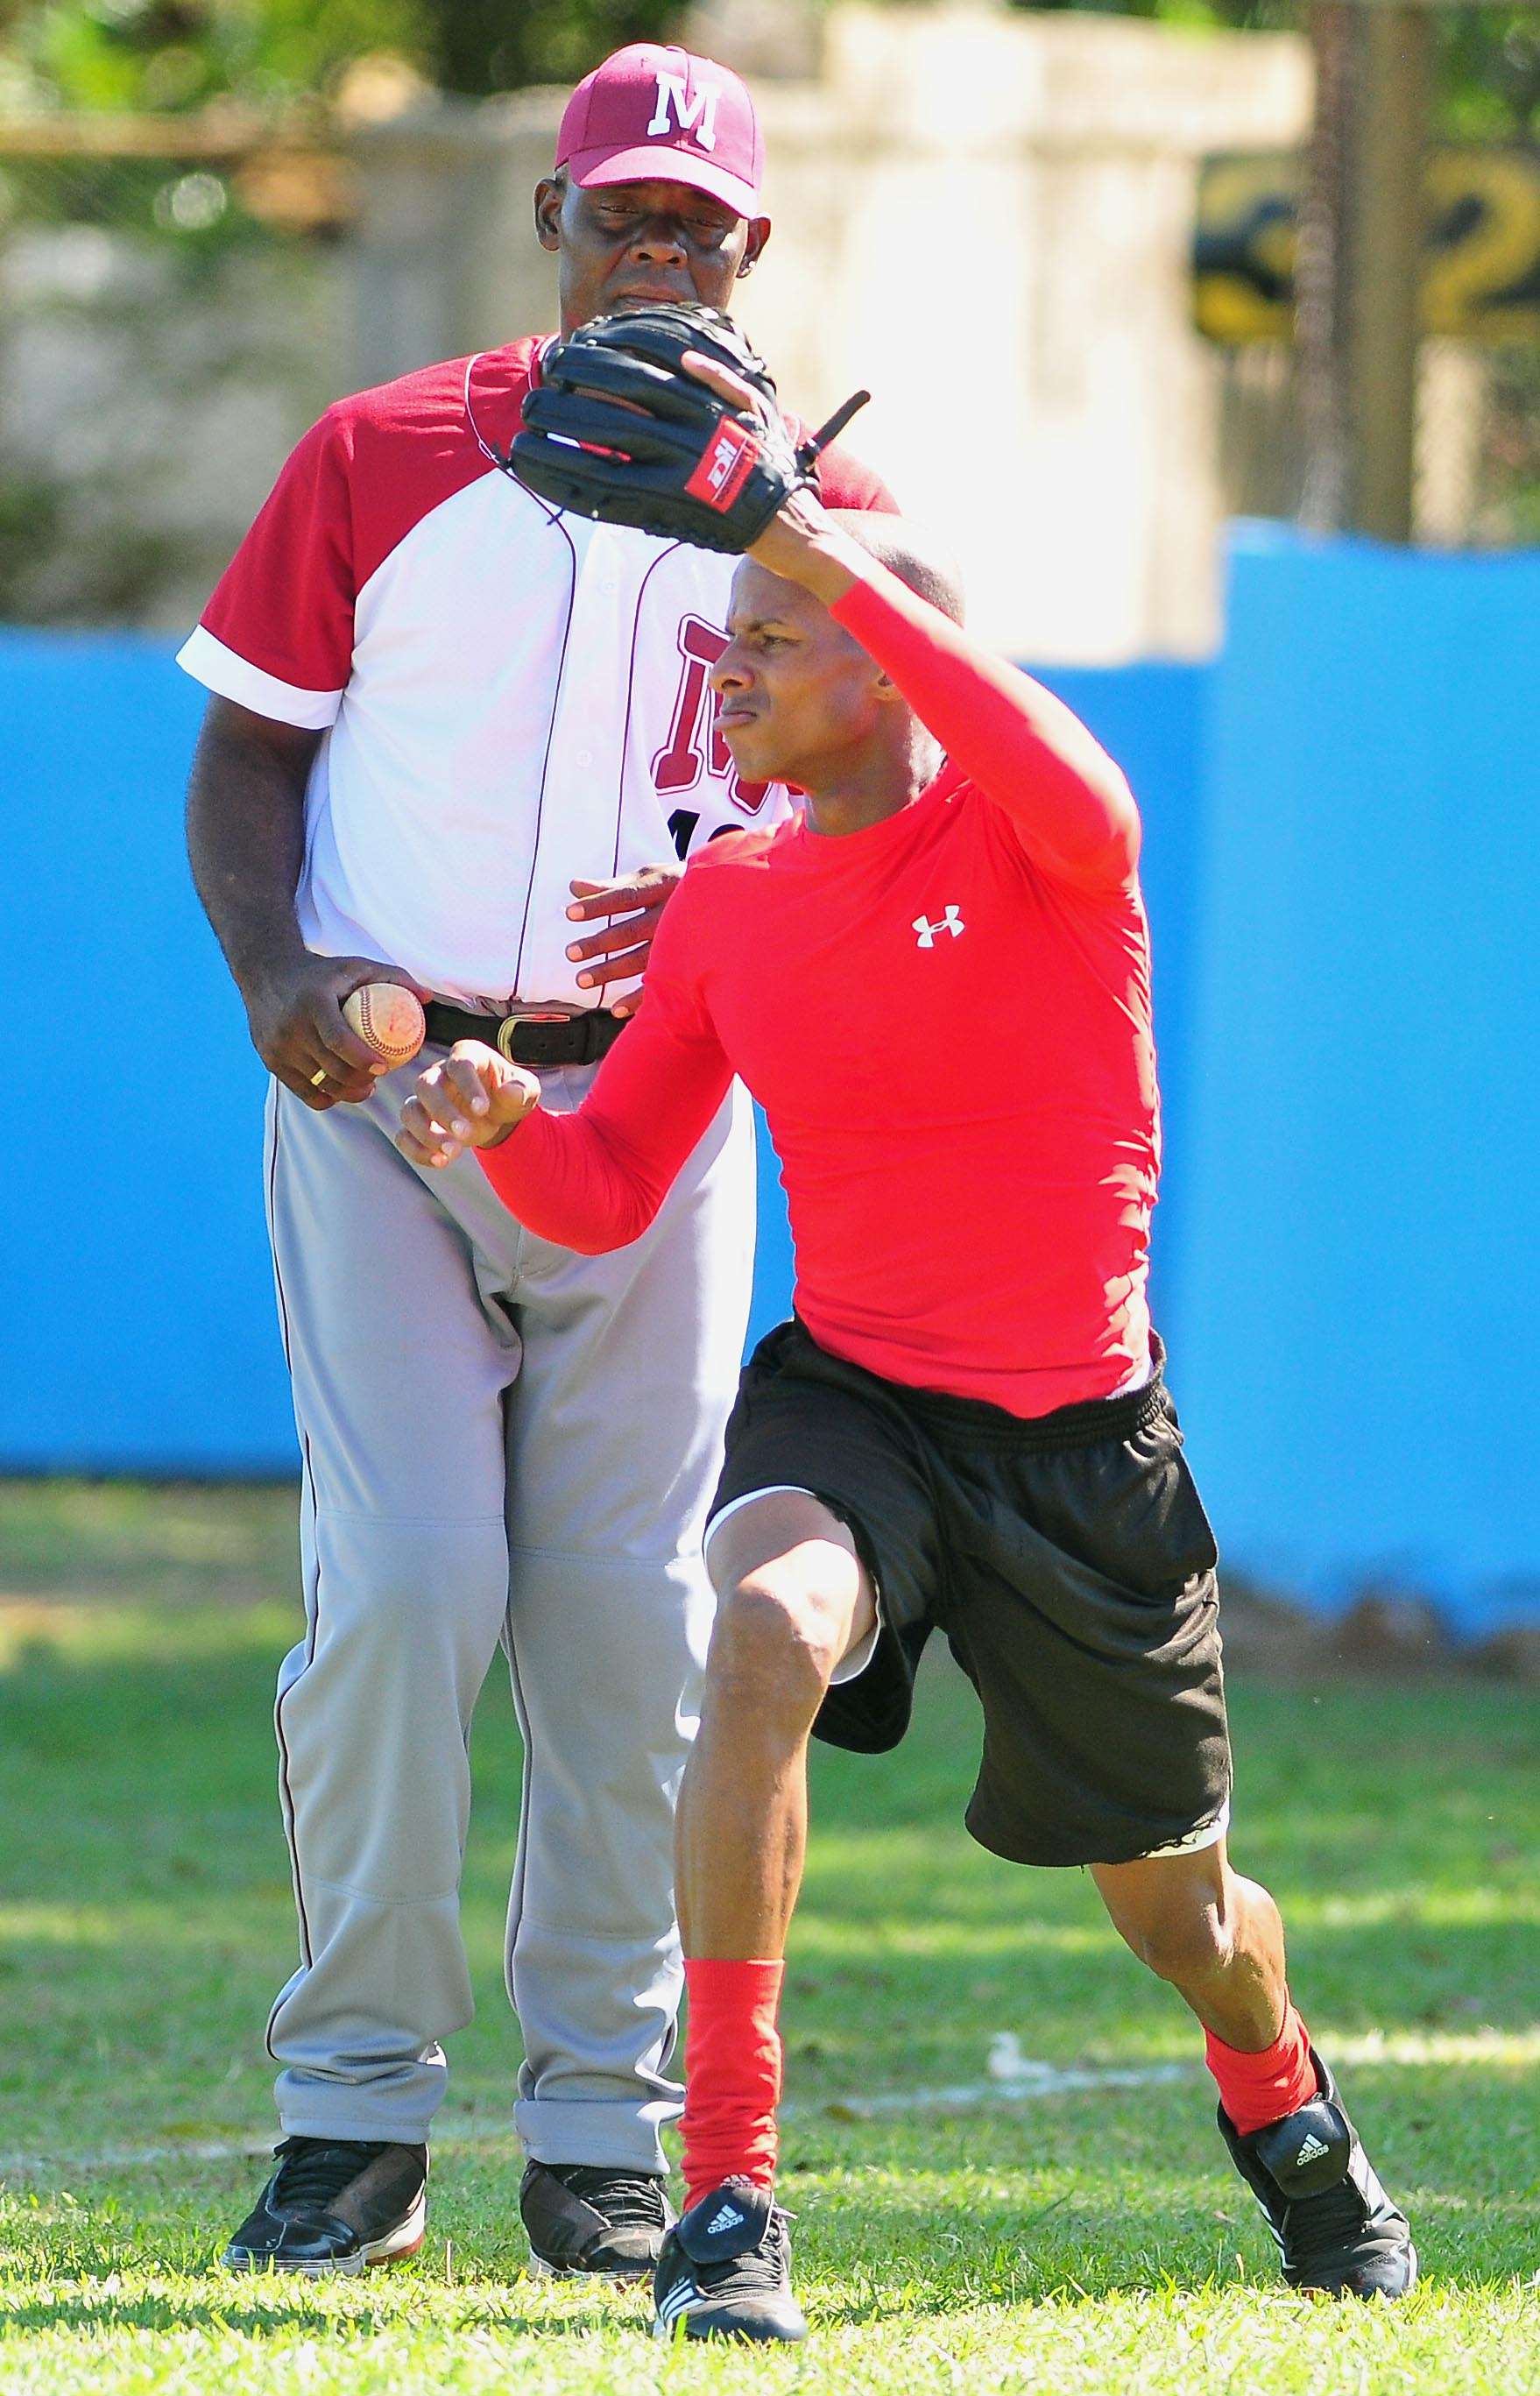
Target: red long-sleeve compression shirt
946	1017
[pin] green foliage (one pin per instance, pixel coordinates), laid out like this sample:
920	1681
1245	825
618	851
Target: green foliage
117	580
486	45
182	54
1489	73
153	55
1250	16
1488	66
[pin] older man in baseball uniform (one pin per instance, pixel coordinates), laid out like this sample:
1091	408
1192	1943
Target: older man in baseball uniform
427	685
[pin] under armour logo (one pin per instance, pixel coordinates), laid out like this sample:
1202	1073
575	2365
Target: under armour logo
672	93
927	932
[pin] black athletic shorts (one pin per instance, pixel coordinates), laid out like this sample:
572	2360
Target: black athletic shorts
1071	1565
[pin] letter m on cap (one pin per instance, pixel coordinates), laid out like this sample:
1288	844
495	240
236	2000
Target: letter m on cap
672	95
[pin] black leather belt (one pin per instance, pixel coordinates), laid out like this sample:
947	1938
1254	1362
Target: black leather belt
530	1035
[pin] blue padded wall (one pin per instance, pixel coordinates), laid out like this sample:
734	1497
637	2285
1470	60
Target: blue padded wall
1357	1364
1342	826
135	1285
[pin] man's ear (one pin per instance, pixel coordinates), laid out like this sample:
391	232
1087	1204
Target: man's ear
549	196
759	233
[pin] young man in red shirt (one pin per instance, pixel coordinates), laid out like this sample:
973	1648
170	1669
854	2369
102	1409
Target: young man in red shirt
936	982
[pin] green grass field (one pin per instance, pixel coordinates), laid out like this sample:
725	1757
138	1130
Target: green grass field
1084	2241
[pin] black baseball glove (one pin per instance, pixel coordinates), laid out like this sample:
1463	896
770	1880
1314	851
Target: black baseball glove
615	428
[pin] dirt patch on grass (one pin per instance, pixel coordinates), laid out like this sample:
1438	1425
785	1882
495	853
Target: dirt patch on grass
75	1544
1385	1634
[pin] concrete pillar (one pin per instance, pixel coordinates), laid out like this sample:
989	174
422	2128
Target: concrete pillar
445	256
1386	255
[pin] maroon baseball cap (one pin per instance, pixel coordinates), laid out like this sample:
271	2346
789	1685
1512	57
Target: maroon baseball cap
653	111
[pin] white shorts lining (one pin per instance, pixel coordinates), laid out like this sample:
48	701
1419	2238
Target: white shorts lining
1192	1843
855	1660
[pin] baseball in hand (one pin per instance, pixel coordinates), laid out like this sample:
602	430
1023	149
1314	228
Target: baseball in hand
388	1019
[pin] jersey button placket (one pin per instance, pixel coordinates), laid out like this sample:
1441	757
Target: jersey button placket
578	828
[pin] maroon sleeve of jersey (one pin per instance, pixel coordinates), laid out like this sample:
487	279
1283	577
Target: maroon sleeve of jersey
1069	803
593	1180
285	604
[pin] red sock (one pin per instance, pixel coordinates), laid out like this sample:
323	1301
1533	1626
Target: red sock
732	2073
1257	2089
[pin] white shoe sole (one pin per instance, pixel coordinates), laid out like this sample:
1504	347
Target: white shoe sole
540	2269
677	2329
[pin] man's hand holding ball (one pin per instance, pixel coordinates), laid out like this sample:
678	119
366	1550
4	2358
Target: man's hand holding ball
472	1099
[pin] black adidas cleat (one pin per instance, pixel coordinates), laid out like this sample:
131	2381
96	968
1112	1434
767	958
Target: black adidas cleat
725	2271
586	2217
335	2205
1335	2228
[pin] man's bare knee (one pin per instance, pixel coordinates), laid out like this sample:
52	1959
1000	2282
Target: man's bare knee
793	1598
776	1526
776	1643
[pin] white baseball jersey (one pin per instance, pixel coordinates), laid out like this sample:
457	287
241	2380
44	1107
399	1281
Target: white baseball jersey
511	697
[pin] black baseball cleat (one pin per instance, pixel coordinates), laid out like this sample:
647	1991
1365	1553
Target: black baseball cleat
725	2271
335	2205
1335	2228
587	2217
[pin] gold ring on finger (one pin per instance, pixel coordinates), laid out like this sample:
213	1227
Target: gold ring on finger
317	1079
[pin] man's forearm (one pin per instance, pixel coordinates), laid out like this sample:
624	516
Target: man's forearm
566	1184
594	1179
246	836
1025	750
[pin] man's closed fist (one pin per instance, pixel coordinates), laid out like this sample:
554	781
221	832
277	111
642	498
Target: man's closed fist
472	1099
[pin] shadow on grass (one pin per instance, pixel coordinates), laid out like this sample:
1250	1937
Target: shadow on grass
101	2313
865	2256
997	2276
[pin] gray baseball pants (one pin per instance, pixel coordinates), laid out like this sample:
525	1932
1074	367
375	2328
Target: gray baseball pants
502	1444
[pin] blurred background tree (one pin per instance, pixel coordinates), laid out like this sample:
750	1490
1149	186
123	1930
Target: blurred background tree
176	55
1488	58
184	54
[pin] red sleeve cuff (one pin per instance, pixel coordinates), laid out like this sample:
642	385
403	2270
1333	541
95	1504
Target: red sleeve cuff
863	608
495	1161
